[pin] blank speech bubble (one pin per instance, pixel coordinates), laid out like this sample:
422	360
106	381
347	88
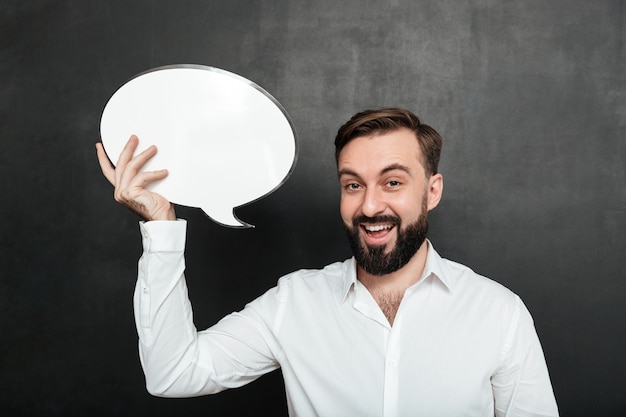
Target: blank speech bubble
225	141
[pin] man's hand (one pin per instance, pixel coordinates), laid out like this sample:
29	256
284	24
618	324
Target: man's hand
130	183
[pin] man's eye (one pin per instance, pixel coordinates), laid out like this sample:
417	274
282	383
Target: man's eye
353	186
393	183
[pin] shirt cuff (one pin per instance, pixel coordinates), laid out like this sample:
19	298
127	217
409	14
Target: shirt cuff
163	235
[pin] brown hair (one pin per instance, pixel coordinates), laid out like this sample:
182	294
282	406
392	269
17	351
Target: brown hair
371	122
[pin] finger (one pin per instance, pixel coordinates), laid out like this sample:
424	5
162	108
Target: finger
141	158
125	156
133	167
138	182
105	165
145	178
128	151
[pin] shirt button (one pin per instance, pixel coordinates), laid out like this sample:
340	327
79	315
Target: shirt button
393	363
145	290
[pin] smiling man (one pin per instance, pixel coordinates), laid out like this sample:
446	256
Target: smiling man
395	331
385	200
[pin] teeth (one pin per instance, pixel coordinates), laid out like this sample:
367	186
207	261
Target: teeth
378	227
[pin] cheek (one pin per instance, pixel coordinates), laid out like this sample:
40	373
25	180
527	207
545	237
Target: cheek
408	208
347	208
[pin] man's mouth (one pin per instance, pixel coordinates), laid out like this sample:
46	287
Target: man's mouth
377	234
375	228
375	231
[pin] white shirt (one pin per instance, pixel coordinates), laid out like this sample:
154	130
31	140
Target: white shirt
460	345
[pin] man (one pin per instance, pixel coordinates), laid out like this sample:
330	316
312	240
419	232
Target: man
394	331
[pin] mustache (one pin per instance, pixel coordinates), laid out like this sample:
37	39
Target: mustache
356	221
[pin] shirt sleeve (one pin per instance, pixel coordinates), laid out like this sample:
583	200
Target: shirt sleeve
179	361
521	385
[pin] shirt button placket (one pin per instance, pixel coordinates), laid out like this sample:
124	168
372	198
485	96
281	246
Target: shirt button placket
390	399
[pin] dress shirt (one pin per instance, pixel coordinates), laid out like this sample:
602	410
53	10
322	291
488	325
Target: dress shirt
460	344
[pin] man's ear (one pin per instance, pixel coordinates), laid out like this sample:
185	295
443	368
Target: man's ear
435	190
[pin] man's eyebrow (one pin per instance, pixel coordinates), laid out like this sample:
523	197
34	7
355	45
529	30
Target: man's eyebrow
394	167
389	168
348	172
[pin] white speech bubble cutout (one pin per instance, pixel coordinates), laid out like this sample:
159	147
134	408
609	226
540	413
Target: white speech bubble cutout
225	141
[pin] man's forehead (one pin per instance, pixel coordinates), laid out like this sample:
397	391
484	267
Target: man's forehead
398	148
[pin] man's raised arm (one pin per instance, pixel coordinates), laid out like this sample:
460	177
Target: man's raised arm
176	359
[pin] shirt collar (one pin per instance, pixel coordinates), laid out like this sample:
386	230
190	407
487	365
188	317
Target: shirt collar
349	278
435	266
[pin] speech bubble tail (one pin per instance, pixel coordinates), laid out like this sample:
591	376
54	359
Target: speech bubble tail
227	219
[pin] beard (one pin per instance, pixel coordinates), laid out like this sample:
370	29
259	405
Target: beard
375	260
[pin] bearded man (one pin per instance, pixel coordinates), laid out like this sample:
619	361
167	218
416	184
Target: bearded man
394	331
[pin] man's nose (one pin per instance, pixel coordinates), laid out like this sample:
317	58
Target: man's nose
373	202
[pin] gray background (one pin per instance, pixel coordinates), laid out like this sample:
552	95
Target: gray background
528	95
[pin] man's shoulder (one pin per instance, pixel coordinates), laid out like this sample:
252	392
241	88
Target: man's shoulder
332	278
331	271
491	301
467	281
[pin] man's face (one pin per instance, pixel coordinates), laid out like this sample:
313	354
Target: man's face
385	198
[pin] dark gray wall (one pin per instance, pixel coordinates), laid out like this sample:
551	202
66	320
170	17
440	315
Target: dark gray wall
530	97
